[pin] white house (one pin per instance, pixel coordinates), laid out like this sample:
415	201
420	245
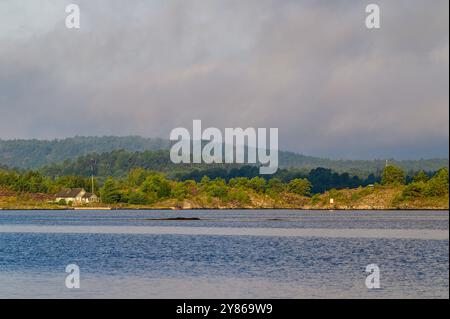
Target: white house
76	196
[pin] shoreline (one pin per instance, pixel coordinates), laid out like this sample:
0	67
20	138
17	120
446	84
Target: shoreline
224	209
364	199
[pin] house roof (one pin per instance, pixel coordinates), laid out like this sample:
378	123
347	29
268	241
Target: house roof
69	192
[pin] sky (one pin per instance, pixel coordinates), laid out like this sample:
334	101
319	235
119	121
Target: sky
310	68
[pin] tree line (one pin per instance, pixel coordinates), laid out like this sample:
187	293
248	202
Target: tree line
35	154
143	186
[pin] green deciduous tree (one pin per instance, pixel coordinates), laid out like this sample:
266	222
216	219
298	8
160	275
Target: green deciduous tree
73	181
217	188
180	190
137	197
420	177
300	186
275	186
392	175
156	186
238	182
258	184
438	184
238	195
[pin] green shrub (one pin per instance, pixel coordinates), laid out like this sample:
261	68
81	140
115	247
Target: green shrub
356	196
138	198
238	195
315	199
414	190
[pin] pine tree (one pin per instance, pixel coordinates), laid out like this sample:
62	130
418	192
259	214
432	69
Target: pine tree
110	192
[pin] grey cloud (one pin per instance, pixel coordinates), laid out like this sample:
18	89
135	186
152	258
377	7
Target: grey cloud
310	68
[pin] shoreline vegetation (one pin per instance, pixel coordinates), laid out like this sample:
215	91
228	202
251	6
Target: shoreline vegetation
145	189
132	172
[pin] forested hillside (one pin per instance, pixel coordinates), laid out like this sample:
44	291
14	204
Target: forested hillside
119	163
33	154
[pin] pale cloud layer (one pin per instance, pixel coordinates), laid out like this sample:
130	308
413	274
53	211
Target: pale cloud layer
310	68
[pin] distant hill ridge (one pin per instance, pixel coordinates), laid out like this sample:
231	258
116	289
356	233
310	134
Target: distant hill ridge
34	154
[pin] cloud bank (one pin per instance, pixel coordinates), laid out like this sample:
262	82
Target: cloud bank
310	68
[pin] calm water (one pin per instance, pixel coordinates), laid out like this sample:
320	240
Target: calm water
224	254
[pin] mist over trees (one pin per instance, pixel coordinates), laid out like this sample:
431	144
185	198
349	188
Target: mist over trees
34	154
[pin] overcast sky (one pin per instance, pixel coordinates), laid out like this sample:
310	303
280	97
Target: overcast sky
310	68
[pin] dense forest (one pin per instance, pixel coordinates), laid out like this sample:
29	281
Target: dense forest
145	187
119	163
34	154
71	161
